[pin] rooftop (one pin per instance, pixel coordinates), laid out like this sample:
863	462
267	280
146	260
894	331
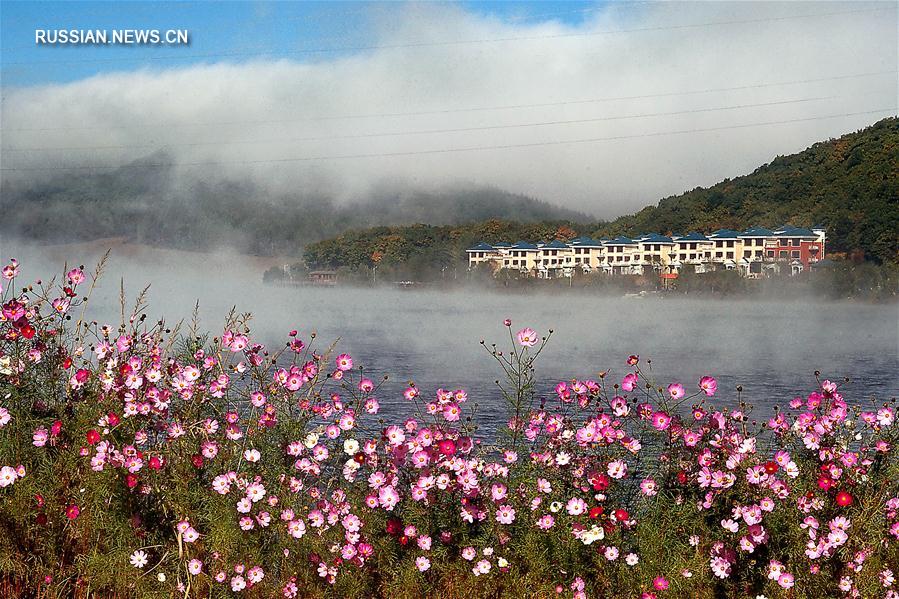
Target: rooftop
791	231
655	238
693	236
586	241
481	247
757	232
622	240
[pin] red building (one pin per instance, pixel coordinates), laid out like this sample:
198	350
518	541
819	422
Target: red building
797	246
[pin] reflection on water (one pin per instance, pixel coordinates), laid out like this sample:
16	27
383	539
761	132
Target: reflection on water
770	348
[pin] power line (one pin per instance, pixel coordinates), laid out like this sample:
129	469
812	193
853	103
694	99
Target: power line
422	132
458	110
891	110
423	44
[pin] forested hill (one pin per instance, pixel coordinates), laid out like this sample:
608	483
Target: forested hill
850	185
157	207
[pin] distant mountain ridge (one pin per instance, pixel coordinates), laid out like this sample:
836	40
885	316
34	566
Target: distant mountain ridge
145	205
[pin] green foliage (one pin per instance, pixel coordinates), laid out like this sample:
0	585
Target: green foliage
421	250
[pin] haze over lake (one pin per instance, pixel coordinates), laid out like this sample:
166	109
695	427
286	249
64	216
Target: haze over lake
771	348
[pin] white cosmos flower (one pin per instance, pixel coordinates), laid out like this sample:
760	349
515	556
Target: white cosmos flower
139	558
351	447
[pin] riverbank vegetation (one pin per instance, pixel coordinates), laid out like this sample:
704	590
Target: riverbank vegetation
143	459
835	280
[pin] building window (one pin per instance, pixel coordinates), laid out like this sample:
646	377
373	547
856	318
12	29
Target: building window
795	253
719	254
770	253
747	254
730	255
796	243
782	254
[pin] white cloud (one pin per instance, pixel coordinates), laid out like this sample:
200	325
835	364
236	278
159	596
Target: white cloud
558	63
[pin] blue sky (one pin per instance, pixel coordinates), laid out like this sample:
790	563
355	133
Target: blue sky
252	30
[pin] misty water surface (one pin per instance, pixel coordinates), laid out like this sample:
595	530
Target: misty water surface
771	348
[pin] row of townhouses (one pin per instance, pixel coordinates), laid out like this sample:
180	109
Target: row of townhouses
753	252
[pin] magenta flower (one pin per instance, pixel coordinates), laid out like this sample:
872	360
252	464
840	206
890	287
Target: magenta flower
708	385
344	362
676	390
661	420
629	381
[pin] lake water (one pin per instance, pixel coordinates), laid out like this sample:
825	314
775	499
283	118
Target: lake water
771	348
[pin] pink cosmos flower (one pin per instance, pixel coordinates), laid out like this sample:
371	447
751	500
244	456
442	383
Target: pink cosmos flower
576	506
238	583
505	514
75	276
344	362
676	390
255	574
617	469
786	580
452	412
661	420
8	476
61	305
388	498
660	583
649	487
708	385
629	381
40	436
194	566
527	337
422	563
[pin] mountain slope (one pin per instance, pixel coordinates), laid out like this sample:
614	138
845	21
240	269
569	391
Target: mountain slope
849	184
